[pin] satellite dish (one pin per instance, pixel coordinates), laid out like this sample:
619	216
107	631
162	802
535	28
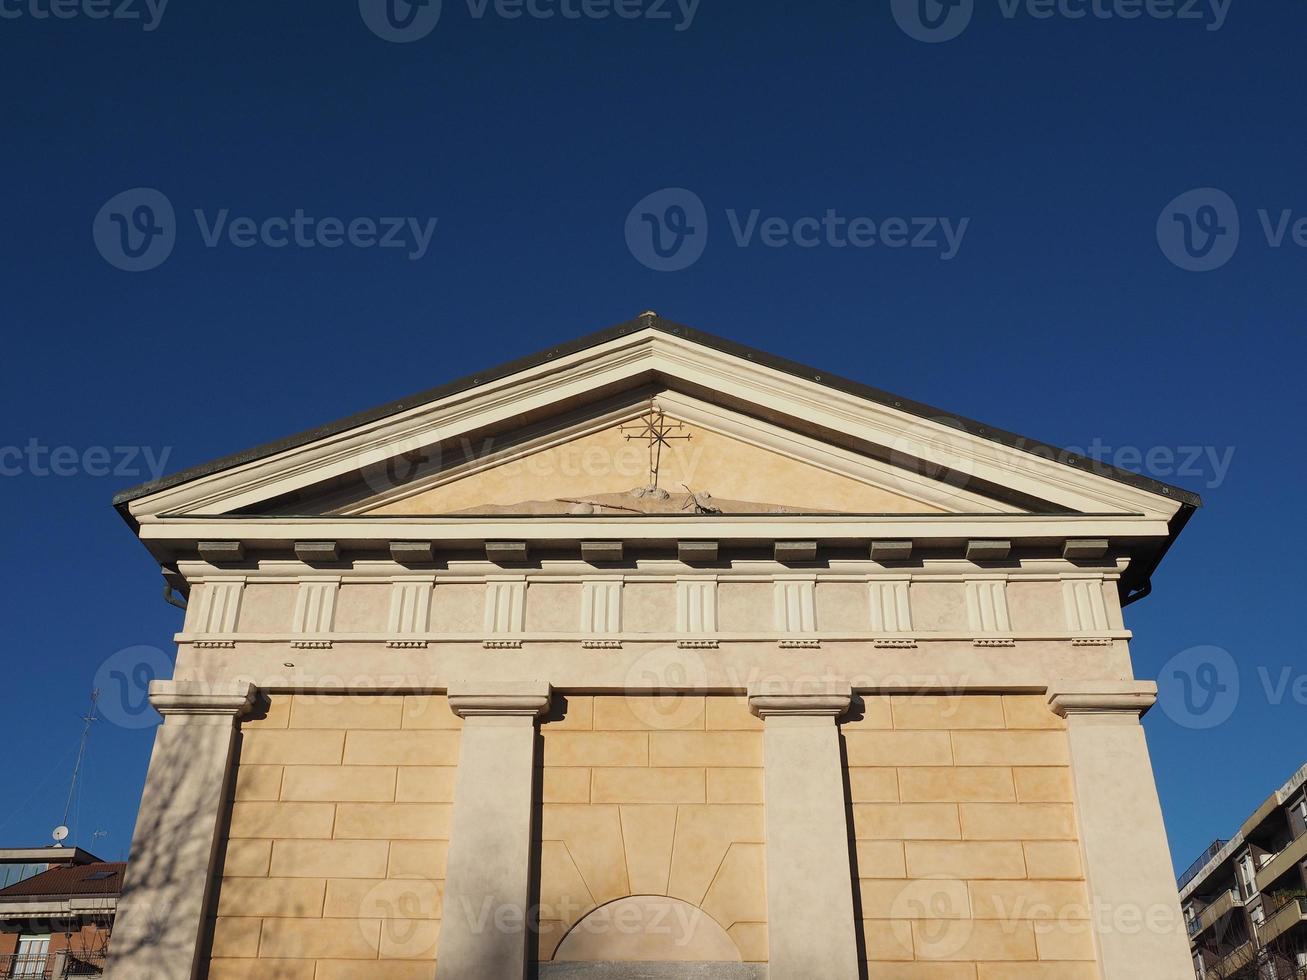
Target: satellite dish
60	834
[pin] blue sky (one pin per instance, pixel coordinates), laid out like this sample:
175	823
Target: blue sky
1052	146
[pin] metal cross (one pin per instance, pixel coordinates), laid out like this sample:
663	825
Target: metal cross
654	427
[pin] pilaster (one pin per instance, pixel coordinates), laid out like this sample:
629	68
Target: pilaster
485	928
810	923
1135	911
159	928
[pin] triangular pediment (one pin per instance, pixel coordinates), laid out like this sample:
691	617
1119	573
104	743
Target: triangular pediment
557	435
652	461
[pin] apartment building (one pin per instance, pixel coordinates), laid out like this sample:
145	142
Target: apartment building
57	908
1245	898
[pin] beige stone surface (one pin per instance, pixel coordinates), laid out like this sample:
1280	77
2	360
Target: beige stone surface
735	786
338	784
552	607
1018	821
648	928
393	821
648	713
236	937
408	898
968	859
1010	749
717	749
282	820
1037	971
974	940
593	835
565	785
920	971
1030	711
329	859
907	821
247	858
380	970
295	898
402	748
258	783
1043	785
425	784
966	871
573	749
647	836
428	711
965	711
359	939
291	748
261	969
880	859
738	892
960	784
346	712
888	939
726	713
750	939
1053	859
878	749
1008	900
418	858
1064	940
266	607
873	785
648	785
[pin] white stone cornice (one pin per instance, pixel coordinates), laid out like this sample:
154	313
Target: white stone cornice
499	699
1102	698
821	700
193	698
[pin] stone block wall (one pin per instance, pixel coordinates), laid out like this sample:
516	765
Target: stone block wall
653	796
335	857
964	831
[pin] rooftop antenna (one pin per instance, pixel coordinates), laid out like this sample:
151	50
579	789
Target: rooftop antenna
61	832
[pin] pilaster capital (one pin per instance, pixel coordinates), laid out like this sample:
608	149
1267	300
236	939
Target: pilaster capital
502	699
1071	698
202	698
798	699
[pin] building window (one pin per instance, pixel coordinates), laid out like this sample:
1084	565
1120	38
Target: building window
1200	967
1259	916
30	957
1248	873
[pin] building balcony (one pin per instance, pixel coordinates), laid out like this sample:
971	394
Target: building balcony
1289	915
1282	864
1234	961
1214	913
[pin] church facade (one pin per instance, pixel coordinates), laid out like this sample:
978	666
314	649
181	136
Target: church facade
653	655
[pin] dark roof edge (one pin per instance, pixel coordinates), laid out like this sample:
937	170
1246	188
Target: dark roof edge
1186	498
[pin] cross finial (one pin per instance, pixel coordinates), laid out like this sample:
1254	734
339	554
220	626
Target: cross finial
654	428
